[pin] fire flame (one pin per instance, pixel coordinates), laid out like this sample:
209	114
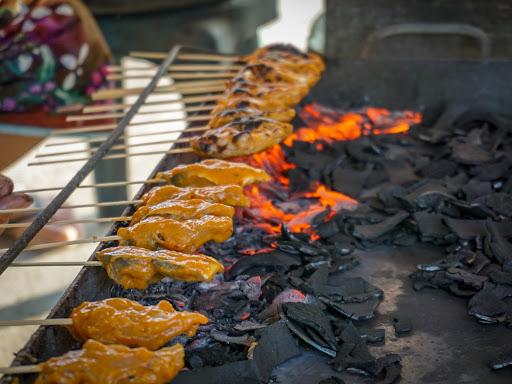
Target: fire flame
323	126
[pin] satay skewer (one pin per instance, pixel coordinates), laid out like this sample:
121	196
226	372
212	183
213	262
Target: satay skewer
42	322
115	115
89	205
94	239
71	221
20	370
96	185
176	76
116	156
179	68
187	56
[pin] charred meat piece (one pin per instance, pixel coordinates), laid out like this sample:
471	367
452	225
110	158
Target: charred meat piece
113	364
182	236
214	172
284	95
126	322
134	267
182	210
225	116
267	72
226	194
241	138
244	100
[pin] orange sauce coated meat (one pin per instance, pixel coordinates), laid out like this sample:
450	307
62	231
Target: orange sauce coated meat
182	210
134	267
226	194
214	172
182	236
97	363
126	322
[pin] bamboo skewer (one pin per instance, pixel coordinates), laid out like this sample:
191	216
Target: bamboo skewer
116	156
186	56
116	147
179	68
21	369
57	264
147	134
184	100
96	185
176	76
43	322
109	127
116	93
90	205
94	239
71	221
114	115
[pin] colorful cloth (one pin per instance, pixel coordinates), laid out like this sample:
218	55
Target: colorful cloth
52	53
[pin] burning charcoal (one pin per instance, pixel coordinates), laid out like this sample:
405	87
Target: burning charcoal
248	325
504	360
373	335
402	325
373	231
299	180
275	346
230	373
272	261
487	307
312	317
321	217
331	380
499	203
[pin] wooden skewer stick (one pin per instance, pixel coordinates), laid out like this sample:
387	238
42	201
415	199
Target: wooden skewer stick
19	370
116	147
109	127
94	239
186	56
115	115
97	185
71	221
57	264
147	134
44	322
177	76
90	205
184	100
115	156
116	93
179	68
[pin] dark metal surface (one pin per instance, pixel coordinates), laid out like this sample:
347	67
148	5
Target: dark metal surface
47	213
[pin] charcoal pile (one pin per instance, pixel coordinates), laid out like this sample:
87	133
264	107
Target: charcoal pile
447	182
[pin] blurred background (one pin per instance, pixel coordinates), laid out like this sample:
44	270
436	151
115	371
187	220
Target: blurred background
53	54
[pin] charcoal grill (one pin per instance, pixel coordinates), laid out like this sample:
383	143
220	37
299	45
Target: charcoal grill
447	346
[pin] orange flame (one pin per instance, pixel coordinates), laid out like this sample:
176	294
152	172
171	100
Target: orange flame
327	127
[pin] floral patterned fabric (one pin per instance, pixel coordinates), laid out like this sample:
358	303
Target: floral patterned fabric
51	53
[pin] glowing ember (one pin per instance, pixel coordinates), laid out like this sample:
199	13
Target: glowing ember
323	126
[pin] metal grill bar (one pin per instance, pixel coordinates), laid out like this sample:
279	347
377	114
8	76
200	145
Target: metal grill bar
47	213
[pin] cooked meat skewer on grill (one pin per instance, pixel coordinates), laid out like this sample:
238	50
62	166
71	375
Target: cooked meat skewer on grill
226	116
225	194
182	236
182	210
134	267
241	138
126	322
214	172
113	364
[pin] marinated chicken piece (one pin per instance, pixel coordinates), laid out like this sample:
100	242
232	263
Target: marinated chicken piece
247	101
97	363
214	172
225	194
182	236
273	73
241	138
182	210
284	95
134	267
226	116
126	322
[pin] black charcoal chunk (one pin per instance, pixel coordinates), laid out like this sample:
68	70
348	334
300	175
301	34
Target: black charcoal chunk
402	325
272	261
470	154
430	224
373	231
332	380
230	373
487	308
354	311
275	346
499	203
502	361
372	336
